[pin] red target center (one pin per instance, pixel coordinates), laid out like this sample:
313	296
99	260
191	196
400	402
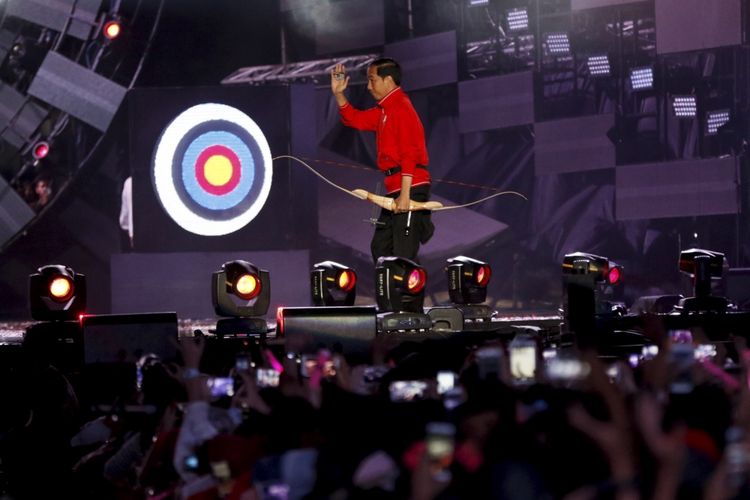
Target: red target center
217	170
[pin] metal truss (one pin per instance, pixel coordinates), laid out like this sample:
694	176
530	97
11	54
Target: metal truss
317	71
503	54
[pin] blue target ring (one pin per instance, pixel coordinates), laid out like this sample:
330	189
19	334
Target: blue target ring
197	192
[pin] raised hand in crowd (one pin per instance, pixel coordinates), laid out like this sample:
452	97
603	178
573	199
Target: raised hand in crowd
614	437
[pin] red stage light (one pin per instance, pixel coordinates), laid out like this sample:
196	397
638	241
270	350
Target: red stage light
247	286
57	293
467	279
280	322
112	30
61	289
614	276
40	150
417	280
483	275
333	284
347	280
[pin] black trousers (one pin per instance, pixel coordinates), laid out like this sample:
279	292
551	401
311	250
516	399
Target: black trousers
397	235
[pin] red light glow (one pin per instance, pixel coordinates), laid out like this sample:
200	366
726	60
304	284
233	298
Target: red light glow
347	280
417	280
112	30
61	289
40	151
280	322
247	286
483	275
614	275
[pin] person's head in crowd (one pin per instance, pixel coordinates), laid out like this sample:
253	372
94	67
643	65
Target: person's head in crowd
710	409
485	409
43	189
159	386
294	424
706	412
26	190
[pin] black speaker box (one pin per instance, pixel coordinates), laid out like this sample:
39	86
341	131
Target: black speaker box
350	330
123	338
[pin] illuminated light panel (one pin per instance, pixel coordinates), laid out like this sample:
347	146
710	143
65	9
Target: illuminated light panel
684	106
518	20
642	78
715	119
558	43
598	65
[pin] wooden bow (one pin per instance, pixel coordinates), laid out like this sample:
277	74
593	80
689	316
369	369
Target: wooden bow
389	203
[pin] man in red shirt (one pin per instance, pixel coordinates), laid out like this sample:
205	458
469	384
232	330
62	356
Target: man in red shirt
402	156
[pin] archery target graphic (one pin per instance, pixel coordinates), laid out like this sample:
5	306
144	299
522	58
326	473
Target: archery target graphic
212	169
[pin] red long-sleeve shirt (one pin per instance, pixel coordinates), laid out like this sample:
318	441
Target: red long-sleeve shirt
399	137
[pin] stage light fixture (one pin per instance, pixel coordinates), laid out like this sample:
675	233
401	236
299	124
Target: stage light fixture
467	280
40	150
601	269
240	290
56	293
642	78
702	266
333	284
399	285
518	20
580	263
588	283
598	65
557	43
684	106
716	119
112	29
478	3
18	49
416	281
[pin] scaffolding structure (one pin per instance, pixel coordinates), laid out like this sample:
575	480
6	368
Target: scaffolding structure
317	71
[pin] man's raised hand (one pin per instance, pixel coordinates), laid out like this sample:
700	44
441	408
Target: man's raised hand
339	79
